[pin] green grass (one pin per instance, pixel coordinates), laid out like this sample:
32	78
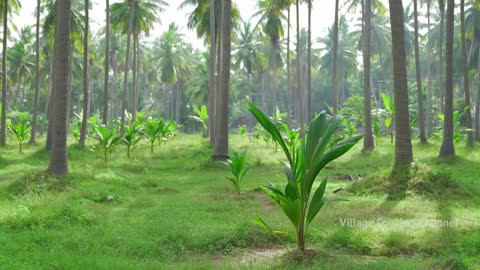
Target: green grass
174	209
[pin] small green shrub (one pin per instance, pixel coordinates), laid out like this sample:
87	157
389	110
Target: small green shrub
236	164
107	138
20	126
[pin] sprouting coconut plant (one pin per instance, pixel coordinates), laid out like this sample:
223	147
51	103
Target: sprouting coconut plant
237	165
153	130
20	127
107	138
201	116
132	136
305	160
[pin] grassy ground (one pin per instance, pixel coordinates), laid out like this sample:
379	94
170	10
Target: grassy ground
175	210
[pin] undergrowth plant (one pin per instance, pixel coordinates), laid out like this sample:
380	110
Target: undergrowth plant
107	138
236	163
20	127
305	160
132	136
201	116
153	130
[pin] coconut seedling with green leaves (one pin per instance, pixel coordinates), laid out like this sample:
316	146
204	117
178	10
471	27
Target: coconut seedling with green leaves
237	165
305	160
20	127
107	138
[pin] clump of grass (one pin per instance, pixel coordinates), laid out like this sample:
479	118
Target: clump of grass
349	239
39	182
423	181
398	243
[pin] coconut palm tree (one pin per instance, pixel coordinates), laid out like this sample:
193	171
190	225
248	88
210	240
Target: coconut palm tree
245	53
172	54
270	18
403	145
7	6
335	54
83	129
21	59
309	58
421	121
448	149
441	7
368	141
107	62
466	88
37	75
221	125
133	17
62	69
299	84
346	51
472	23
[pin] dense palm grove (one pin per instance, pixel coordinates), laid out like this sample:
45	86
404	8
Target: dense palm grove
402	77
433	47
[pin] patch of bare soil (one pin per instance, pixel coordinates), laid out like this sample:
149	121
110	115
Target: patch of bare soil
262	255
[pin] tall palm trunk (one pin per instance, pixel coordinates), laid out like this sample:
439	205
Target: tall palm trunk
335	56
301	111
466	88
221	142
50	105
218	82
403	144
274	78
211	81
421	121
309	60
178	102
368	141
135	78
429	77
289	79
127	59
37	76
83	130
62	69
3	126
441	5
477	105
107	63
447	148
